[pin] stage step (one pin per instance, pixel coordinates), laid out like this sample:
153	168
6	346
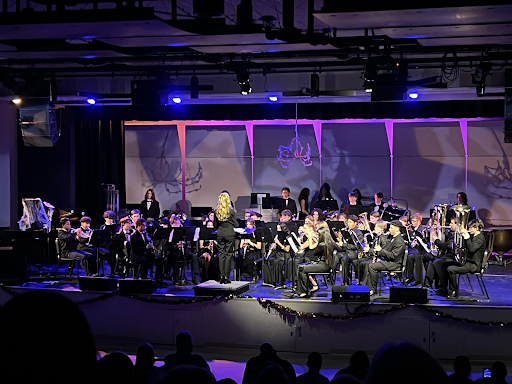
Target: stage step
214	288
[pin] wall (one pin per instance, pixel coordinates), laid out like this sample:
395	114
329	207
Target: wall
423	162
8	165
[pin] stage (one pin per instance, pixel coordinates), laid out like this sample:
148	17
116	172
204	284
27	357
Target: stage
472	325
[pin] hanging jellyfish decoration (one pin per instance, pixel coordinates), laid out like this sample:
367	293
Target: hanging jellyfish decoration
163	173
288	155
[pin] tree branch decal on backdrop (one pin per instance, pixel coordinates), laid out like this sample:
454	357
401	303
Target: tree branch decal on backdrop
161	173
499	177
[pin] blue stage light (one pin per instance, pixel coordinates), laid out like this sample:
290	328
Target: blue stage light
176	100
413	94
91	101
272	98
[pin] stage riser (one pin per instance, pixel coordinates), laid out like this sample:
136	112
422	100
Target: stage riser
243	323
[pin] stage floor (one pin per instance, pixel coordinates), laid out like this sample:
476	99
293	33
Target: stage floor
498	280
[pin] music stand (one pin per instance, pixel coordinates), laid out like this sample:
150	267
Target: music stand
96	240
327	205
358	209
200	211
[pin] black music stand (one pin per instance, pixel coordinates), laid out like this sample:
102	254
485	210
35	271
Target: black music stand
327	205
97	238
358	209
200	211
335	226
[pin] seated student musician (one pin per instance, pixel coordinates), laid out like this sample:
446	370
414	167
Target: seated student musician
279	253
250	251
84	235
352	247
352	200
317	215
142	252
180	251
381	238
474	242
389	257
67	246
446	253
321	261
419	252
374	219
208	251
124	234
135	216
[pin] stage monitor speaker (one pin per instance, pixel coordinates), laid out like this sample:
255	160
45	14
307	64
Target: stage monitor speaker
38	123
103	284
13	266
136	286
351	293
408	295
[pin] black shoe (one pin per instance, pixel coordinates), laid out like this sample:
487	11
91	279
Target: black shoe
195	282
427	285
408	281
414	284
222	281
452	295
227	281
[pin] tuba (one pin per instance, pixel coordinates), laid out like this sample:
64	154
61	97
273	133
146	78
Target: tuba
462	212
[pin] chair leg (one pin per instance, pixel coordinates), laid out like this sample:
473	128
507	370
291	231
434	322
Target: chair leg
57	269
484	289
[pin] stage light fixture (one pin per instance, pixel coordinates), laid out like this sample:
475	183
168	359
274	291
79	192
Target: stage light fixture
91	101
272	98
16	101
176	100
413	94
244	82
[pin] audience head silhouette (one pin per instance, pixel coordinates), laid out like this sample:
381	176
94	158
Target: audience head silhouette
115	368
272	374
145	357
462	366
412	364
43	332
314	362
184	343
499	371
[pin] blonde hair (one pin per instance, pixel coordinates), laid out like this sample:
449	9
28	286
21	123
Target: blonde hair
322	225
223	207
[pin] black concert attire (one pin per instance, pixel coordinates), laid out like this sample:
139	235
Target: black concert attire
317	263
362	264
417	257
83	245
346	207
117	246
391	255
380	206
178	253
291	205
140	255
351	250
273	266
68	249
302	216
153	211
248	258
225	241
475	246
445	253
209	269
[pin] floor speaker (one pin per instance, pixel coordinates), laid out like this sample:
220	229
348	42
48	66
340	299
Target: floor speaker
137	286
354	293
408	295
103	284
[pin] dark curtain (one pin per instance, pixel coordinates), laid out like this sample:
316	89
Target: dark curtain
99	161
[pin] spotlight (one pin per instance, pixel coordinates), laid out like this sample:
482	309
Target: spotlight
272	98
368	90
176	100
413	94
16	101
244	82
91	101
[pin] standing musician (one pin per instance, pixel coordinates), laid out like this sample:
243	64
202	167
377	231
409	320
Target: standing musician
250	250
474	242
389	256
352	247
418	255
142	252
321	261
278	254
149	207
67	239
225	222
446	254
303	203
288	203
84	234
